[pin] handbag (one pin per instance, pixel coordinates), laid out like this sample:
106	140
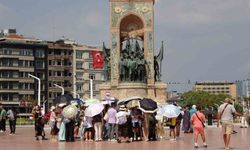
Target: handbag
106	117
200	120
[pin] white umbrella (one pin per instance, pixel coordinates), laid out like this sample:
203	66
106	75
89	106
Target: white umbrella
94	109
170	111
109	100
91	101
70	111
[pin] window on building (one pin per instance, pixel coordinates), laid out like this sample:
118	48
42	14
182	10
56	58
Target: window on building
79	75
40	64
79	54
79	65
5	85
79	87
20	63
5	97
26	64
92	76
59	73
58	62
40	53
50	62
90	54
90	65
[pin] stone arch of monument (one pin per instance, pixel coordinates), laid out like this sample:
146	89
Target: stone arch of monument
131	25
132	66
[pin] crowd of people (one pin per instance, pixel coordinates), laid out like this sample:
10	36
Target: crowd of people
118	123
121	124
114	123
11	116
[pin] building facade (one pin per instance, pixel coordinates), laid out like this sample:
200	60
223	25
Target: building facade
19	57
63	62
228	88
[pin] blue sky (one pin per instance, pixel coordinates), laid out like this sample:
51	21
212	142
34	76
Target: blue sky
204	40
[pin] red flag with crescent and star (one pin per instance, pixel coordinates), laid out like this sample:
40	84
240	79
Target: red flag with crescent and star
97	59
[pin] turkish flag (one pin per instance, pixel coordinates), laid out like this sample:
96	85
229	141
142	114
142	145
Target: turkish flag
97	59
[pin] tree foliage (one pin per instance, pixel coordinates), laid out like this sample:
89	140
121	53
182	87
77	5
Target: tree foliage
202	99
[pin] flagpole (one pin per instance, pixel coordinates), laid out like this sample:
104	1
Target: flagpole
162	56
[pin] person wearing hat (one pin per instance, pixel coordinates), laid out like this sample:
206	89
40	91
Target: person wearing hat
191	113
121	121
225	115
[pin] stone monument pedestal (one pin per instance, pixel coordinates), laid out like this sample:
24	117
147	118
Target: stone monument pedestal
155	91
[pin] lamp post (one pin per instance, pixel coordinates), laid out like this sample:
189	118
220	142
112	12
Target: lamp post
60	88
39	87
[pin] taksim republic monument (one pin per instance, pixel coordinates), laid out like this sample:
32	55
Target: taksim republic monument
131	69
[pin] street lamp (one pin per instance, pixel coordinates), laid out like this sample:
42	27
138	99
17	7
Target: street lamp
39	87
60	88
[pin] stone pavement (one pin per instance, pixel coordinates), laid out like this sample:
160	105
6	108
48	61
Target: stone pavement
25	140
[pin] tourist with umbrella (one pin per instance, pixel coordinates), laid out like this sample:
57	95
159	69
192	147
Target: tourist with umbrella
171	112
69	113
136	119
147	106
93	114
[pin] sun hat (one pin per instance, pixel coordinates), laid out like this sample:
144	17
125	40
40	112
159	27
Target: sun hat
122	108
52	108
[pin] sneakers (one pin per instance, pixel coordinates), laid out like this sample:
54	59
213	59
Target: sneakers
196	146
205	145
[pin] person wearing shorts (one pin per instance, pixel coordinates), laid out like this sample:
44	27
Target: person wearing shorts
197	120
226	111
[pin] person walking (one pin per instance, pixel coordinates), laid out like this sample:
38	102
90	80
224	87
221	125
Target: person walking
12	116
39	126
52	122
197	120
225	115
186	120
178	125
191	113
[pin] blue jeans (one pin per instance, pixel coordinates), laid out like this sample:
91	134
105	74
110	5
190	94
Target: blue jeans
111	130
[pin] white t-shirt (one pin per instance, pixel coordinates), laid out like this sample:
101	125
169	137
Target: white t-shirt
121	117
228	112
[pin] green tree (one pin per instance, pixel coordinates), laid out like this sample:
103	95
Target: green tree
202	99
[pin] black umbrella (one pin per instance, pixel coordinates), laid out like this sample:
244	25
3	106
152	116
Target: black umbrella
63	99
148	105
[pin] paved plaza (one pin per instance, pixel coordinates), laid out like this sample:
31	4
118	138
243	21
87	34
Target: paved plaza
25	140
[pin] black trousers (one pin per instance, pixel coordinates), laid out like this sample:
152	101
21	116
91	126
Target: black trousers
69	131
12	126
3	125
152	133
